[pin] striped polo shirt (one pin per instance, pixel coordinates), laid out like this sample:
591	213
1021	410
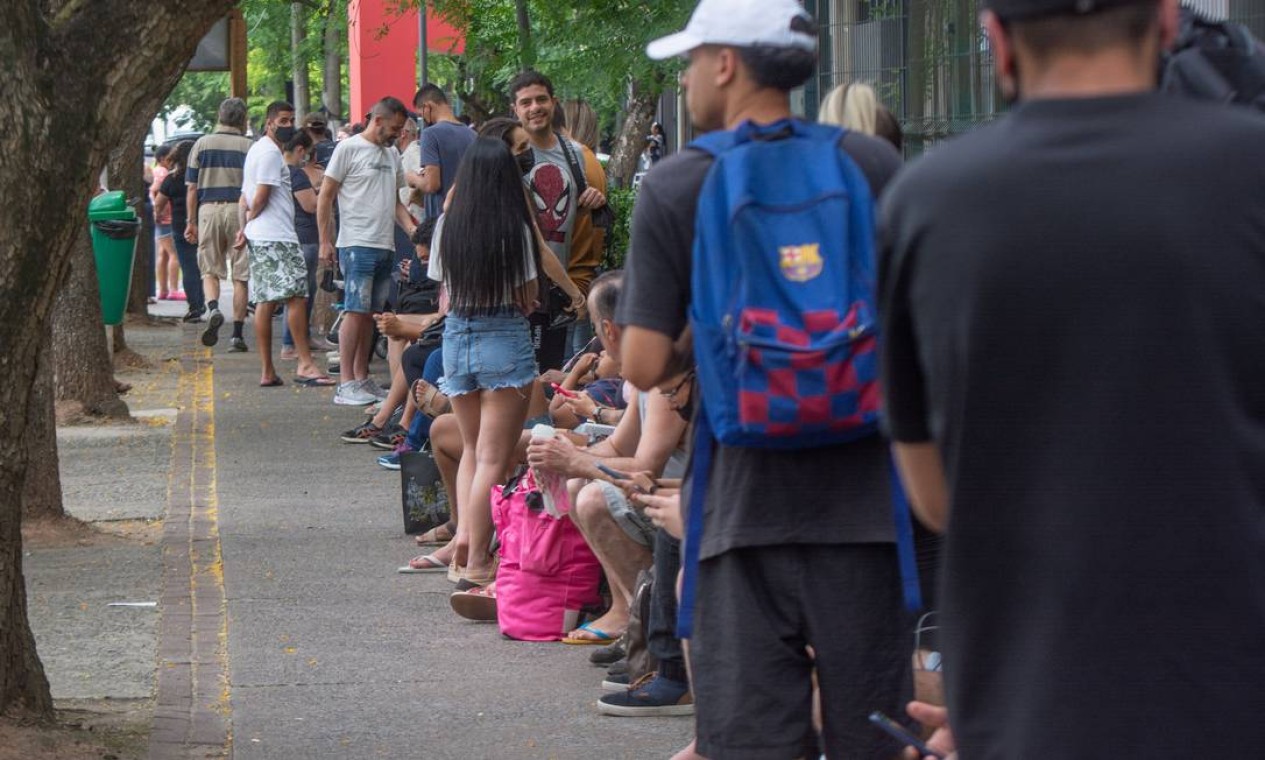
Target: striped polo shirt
216	164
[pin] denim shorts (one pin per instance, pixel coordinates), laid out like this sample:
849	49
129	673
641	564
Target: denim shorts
636	525
367	278
487	353
163	230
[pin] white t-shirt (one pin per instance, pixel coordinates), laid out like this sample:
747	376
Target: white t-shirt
412	162
435	270
369	176
266	166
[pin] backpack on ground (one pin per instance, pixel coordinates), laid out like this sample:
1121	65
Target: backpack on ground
783	310
548	574
1214	60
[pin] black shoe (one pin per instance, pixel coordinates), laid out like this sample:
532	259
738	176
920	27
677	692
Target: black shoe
617	683
388	439
237	344
214	321
618	668
193	315
607	655
651	696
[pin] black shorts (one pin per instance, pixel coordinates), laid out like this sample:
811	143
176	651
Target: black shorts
756	611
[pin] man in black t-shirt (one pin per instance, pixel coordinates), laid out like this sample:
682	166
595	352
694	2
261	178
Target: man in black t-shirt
1073	301
798	546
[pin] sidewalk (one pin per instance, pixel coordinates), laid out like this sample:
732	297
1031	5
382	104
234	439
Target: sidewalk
330	653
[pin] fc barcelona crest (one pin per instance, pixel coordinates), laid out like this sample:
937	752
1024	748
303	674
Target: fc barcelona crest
801	263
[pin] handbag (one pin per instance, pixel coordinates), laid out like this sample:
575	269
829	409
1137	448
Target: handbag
424	500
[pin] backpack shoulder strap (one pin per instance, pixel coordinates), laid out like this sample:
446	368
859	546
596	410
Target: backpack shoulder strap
714	143
577	169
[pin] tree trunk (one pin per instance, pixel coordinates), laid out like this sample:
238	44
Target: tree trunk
526	47
642	101
333	84
127	173
298	62
80	78
41	494
81	356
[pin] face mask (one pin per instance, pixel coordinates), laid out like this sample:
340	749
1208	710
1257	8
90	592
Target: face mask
283	134
526	161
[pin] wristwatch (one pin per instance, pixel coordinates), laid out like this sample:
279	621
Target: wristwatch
597	415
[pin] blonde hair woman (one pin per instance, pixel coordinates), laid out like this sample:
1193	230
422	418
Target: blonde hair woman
853	105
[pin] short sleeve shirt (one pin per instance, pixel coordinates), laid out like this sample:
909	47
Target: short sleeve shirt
830	495
304	223
369	176
266	166
554	197
444	144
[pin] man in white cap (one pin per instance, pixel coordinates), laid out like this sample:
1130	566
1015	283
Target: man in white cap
798	547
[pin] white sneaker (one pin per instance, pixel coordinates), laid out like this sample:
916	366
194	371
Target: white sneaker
370	386
352	394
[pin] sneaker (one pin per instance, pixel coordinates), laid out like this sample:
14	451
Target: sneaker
607	655
289	353
320	344
177	296
377	391
350	394
389	439
390	461
361	433
237	345
651	696
618	668
214	321
617	683
193	315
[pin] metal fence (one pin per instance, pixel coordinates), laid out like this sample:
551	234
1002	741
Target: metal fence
929	60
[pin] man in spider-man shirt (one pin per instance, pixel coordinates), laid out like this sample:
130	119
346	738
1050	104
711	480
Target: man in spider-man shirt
552	186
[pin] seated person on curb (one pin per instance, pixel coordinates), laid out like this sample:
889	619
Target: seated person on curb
445	438
592	391
401	329
648	438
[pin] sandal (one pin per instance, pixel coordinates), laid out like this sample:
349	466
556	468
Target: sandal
599	636
436	536
429	400
478	604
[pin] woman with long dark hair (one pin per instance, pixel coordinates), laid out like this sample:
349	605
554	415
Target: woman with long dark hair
484	252
171	195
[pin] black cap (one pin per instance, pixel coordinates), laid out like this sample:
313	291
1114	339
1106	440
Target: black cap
321	152
1021	10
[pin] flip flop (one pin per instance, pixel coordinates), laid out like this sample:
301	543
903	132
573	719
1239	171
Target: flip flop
602	637
425	563
321	381
478	604
275	382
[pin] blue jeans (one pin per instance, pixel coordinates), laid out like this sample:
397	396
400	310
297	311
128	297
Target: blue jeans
187	255
366	277
487	353
311	252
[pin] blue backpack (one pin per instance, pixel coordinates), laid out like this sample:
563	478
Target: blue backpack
783	311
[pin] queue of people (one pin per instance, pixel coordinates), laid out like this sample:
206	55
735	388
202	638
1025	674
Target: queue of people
1064	385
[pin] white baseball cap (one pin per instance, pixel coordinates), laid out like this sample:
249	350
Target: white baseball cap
741	23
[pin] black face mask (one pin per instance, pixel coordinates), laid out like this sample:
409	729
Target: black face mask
284	134
526	161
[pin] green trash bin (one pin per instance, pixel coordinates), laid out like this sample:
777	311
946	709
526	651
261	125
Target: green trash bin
115	227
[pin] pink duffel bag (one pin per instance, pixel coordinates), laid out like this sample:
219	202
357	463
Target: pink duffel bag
548	573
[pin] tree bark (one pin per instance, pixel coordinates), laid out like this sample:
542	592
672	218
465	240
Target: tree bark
643	99
80	77
298	63
332	85
41	494
81	356
127	173
526	47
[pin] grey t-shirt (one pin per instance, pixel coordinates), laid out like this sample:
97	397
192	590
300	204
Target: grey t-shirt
443	144
756	497
554	197
369	176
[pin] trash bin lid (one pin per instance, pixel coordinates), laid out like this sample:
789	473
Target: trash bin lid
111	205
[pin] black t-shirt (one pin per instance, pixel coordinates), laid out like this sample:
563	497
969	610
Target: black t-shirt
304	223
174	188
756	497
1073	307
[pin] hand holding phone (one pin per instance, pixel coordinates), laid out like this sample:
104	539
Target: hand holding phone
898	732
563	391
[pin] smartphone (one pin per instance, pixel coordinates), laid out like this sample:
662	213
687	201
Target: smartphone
898	732
615	474
559	389
594	430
